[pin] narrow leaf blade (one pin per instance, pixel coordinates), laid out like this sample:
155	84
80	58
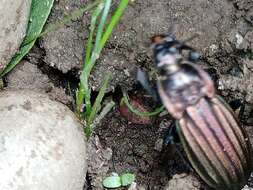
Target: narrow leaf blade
39	13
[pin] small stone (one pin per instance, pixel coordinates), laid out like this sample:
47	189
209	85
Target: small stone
135	186
42	145
183	182
159	145
14	15
239	40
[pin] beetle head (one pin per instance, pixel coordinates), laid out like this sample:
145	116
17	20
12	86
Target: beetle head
168	52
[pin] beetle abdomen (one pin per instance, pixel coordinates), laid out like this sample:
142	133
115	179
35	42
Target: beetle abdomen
216	145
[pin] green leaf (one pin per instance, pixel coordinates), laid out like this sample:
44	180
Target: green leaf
112	182
96	50
113	22
101	25
127	179
84	91
40	10
94	17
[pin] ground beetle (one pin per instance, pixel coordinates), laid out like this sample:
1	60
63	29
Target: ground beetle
214	141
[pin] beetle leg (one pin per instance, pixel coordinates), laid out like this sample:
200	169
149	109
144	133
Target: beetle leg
146	84
171	136
235	104
171	140
238	107
193	56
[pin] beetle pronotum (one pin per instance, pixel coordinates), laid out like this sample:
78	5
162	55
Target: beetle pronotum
216	145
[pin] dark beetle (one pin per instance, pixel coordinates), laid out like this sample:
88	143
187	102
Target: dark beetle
216	145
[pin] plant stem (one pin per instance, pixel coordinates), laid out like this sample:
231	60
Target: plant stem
92	54
138	112
96	106
83	93
99	99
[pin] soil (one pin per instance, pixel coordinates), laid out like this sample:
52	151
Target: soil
225	42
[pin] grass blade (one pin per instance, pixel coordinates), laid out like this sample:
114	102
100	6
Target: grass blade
96	105
114	21
96	51
94	17
35	27
94	56
99	98
102	24
83	93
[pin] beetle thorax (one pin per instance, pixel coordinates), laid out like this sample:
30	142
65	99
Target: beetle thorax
168	62
184	88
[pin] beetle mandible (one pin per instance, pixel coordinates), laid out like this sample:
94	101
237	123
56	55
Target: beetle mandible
214	141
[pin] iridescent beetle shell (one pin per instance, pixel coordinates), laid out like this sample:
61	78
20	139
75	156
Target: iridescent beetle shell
215	143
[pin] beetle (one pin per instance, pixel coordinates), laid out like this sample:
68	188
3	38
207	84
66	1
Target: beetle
216	145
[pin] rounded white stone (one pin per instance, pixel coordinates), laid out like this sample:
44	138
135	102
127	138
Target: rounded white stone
42	146
14	15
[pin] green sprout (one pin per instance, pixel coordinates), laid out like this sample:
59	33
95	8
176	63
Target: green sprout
84	107
116	181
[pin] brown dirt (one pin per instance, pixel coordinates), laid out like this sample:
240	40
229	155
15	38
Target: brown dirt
225	42
137	149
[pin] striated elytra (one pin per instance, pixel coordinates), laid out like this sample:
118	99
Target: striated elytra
216	145
214	141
